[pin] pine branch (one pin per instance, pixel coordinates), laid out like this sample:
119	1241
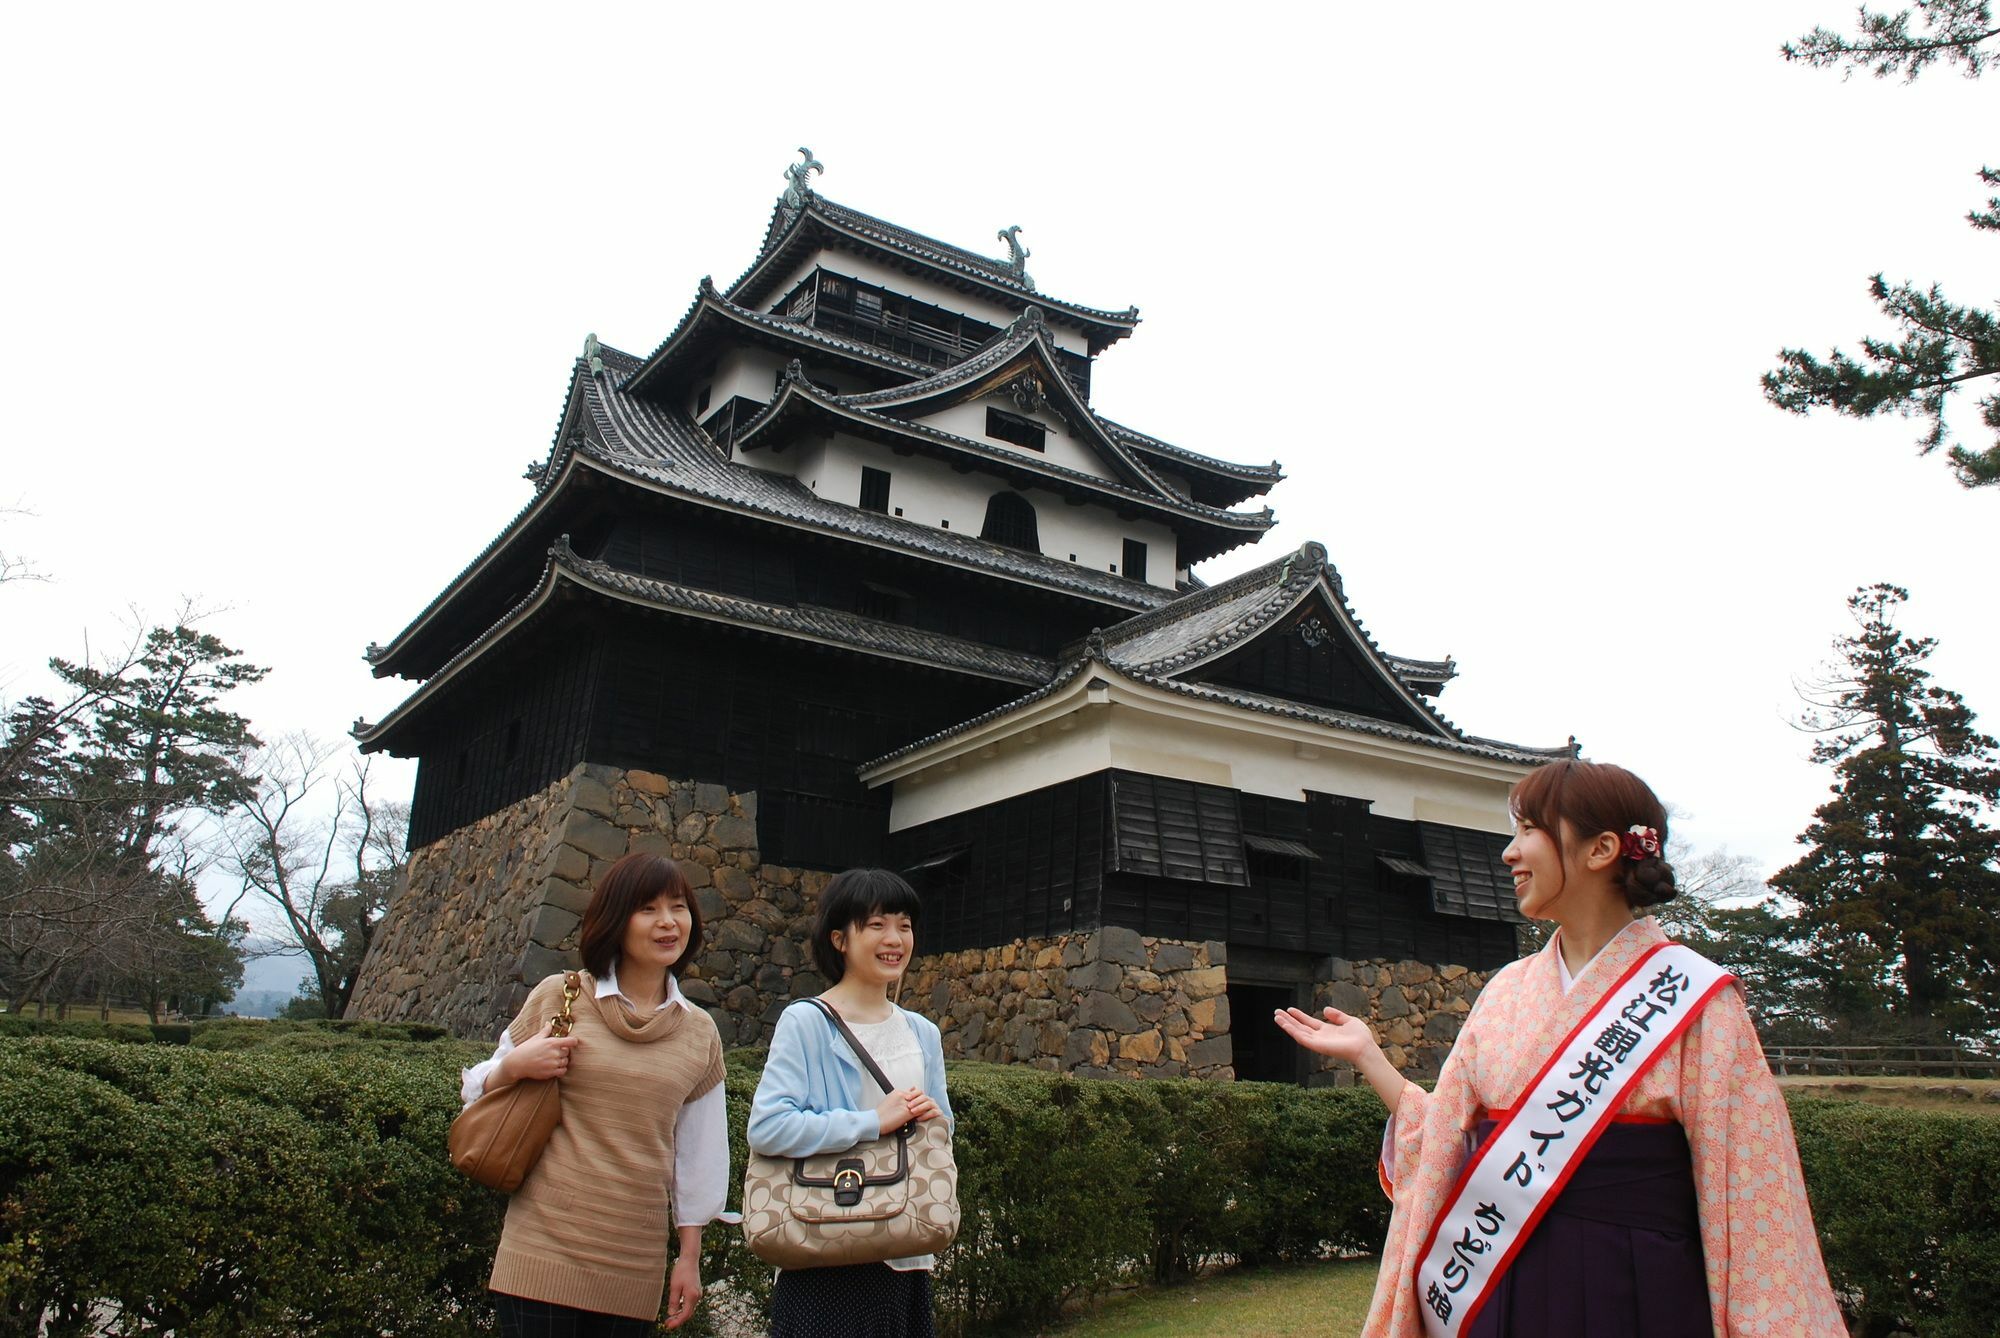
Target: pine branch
1954	31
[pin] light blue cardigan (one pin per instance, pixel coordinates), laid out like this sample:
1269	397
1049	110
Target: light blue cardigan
809	1099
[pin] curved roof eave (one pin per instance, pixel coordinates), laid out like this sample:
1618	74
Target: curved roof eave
966	267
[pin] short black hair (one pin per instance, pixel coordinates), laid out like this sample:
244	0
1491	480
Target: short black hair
849	900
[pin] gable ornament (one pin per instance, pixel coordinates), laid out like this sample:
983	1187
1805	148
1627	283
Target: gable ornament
798	180
1313	632
1017	256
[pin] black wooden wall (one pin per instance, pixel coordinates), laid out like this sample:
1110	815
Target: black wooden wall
514	725
782	568
1006	870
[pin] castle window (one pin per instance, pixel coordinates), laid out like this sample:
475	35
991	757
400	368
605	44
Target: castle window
874	489
1014	429
1135	559
701	401
880	602
1010	520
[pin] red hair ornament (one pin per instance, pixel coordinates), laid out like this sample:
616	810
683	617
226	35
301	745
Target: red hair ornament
1640	843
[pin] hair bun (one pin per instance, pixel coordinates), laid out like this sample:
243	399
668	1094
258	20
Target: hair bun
1650	883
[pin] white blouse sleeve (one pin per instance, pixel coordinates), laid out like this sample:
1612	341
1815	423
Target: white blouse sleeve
472	1081
701	1160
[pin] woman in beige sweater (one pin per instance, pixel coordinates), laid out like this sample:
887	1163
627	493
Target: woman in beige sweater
643	1146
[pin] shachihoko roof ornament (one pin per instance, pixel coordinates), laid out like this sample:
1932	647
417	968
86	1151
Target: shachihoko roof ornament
798	180
1017	255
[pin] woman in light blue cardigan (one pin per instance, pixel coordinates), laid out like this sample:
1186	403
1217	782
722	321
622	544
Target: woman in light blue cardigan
816	1097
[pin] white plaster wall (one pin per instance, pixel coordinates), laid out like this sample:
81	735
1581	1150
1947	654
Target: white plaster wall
923	290
750	372
1117	735
1059	447
931	492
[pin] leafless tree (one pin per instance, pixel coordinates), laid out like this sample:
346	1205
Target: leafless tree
313	846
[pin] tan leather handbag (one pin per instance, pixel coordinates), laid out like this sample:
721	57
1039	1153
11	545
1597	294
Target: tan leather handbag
498	1139
888	1198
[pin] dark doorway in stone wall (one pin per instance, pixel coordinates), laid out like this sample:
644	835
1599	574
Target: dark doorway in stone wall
1260	1052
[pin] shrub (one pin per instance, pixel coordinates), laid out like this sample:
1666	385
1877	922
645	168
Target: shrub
300	1185
1905	1205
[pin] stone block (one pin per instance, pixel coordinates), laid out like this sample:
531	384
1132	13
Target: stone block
712	905
1143	1047
1150	1008
1442	1027
1411	973
649	783
571	897
1210	1016
1095	976
1348	998
973	1031
1086	1049
570	863
738	935
746	805
650	843
736	884
1450	972
698	990
711	798
591	795
1205	983
1075	952
1144	981
1210	1053
1216	951
594	836
691	829
1116	943
771	978
734	834
1173	957
1392	1003
696	873
1399	1032
1107	1011
539	962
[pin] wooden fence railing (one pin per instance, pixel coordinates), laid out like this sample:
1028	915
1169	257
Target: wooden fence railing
1855	1061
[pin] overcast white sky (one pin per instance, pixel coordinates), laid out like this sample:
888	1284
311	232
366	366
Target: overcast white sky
291	295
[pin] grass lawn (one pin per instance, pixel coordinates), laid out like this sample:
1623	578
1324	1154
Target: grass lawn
1965	1096
1267	1303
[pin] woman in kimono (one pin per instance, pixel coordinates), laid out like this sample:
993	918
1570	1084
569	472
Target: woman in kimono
1687	1216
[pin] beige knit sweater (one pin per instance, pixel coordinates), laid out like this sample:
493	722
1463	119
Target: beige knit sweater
590	1226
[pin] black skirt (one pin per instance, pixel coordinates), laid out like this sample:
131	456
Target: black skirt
1618	1253
858	1301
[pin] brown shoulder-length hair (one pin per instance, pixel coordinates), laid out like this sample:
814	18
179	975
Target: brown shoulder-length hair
1593	797
625	887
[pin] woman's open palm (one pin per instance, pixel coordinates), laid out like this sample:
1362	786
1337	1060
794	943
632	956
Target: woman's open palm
1341	1035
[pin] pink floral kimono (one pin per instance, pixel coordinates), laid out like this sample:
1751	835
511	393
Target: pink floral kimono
1762	1259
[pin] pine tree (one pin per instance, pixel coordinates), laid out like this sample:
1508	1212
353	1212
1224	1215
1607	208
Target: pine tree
1941	346
1899	888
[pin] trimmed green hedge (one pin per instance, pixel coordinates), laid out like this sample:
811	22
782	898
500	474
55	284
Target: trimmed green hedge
284	1189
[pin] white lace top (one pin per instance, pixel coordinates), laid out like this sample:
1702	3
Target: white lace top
894	1046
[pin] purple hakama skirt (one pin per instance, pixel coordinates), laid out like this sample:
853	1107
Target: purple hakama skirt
1618	1254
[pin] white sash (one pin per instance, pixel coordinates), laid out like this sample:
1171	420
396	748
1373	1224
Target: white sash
1517	1172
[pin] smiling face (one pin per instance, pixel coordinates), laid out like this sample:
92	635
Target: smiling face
1535	858
657	933
877	950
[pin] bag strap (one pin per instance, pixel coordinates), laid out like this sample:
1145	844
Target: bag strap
561	1022
860	1050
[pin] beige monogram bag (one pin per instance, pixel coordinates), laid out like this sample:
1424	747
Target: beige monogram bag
888	1198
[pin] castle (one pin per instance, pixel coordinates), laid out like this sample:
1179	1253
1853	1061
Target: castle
848	570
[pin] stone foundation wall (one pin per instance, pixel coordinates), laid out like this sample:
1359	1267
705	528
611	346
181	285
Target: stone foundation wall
496	906
1416	1010
1106	1003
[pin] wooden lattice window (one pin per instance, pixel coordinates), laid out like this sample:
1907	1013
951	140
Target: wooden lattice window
1010	520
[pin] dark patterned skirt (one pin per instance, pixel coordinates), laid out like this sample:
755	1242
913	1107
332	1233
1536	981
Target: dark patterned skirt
1618	1253
858	1301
